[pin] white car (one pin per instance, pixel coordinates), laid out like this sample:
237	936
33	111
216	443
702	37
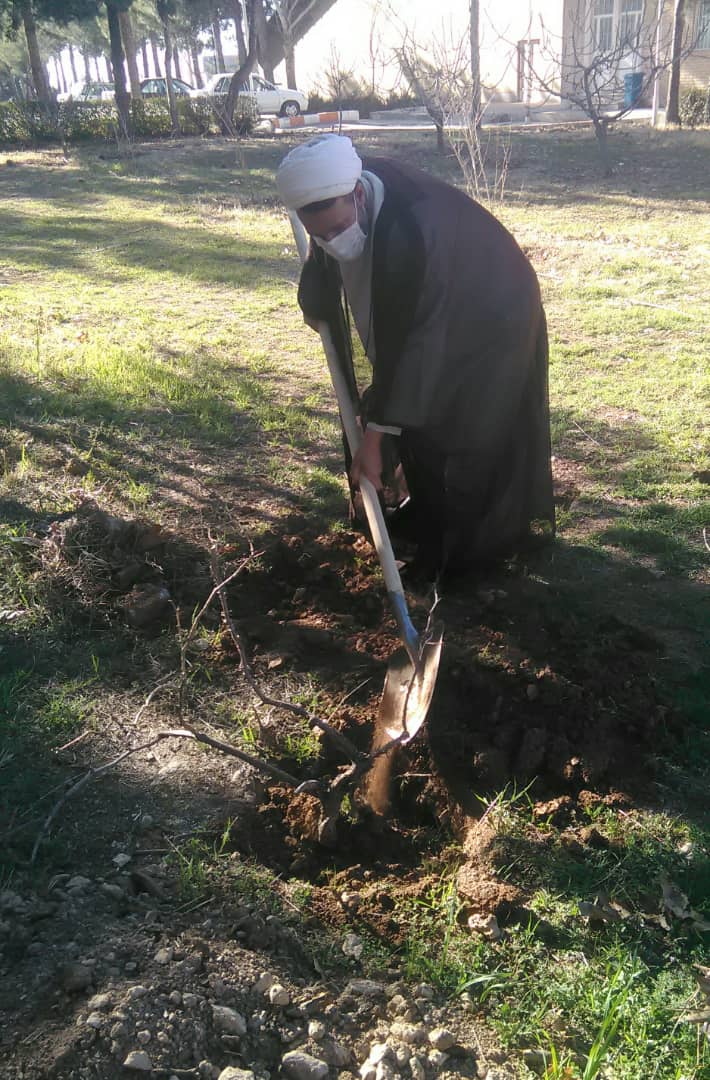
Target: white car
88	91
279	100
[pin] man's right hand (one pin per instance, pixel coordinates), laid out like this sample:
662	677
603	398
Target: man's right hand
368	460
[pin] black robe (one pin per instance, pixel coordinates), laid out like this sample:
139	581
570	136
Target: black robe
461	365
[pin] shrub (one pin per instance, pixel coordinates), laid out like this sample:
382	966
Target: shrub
79	121
365	103
694	106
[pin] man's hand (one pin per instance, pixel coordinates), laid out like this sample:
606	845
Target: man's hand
368	460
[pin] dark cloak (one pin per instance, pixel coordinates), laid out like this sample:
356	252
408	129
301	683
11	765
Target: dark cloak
461	364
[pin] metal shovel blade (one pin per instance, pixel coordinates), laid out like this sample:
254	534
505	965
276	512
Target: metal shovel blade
408	690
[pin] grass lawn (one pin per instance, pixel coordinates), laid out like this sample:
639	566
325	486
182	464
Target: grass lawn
152	360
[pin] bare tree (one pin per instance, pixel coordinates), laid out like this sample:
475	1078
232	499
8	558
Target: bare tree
597	53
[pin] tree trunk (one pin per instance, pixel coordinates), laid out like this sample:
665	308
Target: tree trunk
72	64
87	69
239	31
673	102
172	104
156	55
244	70
601	131
176	59
144	56
195	57
217	39
39	75
109	66
98	69
261	29
129	44
123	99
290	58
475	63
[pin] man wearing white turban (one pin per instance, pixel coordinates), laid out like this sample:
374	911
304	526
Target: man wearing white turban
449	313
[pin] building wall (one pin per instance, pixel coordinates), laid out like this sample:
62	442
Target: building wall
695	69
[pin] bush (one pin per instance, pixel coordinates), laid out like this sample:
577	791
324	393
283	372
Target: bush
365	103
79	121
694	107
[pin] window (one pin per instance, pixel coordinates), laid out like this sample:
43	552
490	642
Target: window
603	24
631	16
703	24
617	23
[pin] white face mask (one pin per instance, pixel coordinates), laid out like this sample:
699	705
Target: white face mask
347	245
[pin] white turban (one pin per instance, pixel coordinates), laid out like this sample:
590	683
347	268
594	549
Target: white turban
321	168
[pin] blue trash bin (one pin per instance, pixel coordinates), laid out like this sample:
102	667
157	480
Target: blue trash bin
633	84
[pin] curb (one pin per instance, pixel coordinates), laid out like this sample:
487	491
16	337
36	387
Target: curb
286	123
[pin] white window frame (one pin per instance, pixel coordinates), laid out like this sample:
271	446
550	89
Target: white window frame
616	23
702	25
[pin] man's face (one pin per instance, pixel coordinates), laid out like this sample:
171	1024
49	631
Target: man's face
329	223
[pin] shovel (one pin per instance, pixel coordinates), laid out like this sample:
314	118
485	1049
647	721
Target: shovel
412	670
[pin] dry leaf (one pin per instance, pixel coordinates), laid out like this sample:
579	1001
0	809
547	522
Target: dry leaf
675	901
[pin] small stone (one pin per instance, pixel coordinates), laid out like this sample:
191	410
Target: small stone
423	990
143	1036
189	1000
232	1073
114	892
380	1052
130	966
137	992
364	987
316	1030
437	1059
164	956
279	995
416	1067
78	883
121	860
353	946
300	1066
175	997
402	1055
100	1003
139	1061
338	1055
264	983
118	1030
486	925
228	1021
442	1039
95	1020
411	1034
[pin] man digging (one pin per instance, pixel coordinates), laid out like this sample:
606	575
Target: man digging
449	313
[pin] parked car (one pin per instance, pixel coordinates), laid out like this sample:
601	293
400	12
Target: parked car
86	90
279	100
159	88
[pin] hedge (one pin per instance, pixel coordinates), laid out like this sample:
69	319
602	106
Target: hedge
694	107
83	121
